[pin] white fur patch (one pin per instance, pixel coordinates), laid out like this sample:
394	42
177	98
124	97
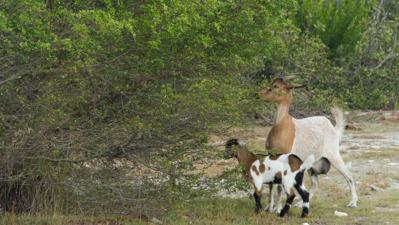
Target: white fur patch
305	204
242	143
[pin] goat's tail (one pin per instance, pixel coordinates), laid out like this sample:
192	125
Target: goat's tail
308	163
340	122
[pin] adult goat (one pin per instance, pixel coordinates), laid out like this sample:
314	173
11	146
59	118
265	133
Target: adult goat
304	137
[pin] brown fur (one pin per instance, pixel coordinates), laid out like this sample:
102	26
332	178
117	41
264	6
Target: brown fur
278	175
262	168
295	162
274	157
281	136
258	192
285	172
255	170
278	92
245	159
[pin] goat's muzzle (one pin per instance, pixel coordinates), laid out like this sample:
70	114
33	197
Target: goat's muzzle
264	94
226	155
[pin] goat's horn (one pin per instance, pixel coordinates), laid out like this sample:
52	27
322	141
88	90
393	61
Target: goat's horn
289	77
292	86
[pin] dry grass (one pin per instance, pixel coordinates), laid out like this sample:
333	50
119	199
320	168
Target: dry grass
381	210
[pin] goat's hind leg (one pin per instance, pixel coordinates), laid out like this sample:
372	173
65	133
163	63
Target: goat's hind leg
321	166
339	164
305	198
290	199
314	181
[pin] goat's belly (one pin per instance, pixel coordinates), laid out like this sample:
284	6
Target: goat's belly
304	150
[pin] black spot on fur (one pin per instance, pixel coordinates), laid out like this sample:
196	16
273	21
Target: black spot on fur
231	142
277	180
299	178
312	172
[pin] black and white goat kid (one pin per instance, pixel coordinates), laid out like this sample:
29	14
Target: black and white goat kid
285	169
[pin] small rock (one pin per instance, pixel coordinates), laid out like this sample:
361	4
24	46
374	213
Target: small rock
352	126
216	143
395	115
156	221
375	188
340	214
381	117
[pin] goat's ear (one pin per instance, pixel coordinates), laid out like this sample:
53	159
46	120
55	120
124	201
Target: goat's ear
293	86
277	79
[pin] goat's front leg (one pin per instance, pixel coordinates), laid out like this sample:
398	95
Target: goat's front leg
271	198
279	198
258	204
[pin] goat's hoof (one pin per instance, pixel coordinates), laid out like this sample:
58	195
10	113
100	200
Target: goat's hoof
352	205
257	210
304	215
281	214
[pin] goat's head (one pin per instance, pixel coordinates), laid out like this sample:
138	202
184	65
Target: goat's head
279	91
232	147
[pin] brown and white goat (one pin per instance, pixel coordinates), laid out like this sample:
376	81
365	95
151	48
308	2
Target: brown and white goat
309	136
284	169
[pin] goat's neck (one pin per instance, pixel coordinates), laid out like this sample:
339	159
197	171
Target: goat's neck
282	111
245	158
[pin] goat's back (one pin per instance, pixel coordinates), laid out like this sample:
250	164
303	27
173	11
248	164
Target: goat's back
314	135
